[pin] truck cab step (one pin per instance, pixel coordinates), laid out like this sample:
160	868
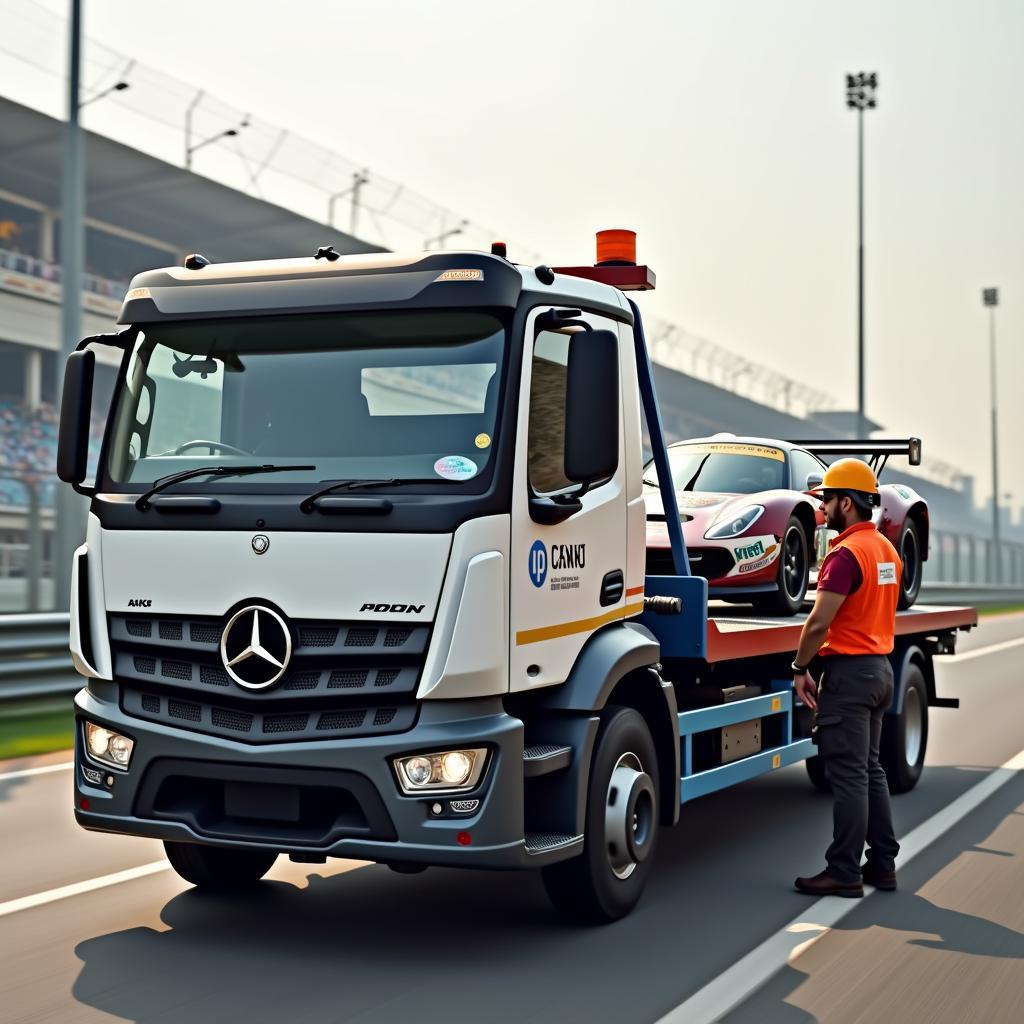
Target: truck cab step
545	842
545	758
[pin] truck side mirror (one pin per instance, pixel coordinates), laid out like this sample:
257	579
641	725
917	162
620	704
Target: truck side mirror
75	407
813	480
592	407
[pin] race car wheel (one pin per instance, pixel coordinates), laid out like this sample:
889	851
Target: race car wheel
910	556
791	576
605	882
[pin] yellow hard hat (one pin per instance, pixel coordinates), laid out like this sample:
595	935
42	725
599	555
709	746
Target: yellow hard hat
853	476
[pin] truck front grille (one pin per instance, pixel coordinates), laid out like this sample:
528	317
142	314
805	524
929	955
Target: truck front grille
344	679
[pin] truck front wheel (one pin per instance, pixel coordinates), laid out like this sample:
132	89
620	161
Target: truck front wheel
605	882
218	868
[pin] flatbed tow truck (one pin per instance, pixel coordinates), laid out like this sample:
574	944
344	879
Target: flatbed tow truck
364	577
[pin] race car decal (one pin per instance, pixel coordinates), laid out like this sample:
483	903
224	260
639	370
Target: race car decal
753	553
730	448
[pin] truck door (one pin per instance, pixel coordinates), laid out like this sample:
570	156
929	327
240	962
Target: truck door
563	576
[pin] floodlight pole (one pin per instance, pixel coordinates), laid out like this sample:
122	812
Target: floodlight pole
990	297
860	96
861	418
70	508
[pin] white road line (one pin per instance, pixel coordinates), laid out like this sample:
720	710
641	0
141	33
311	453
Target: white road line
747	975
979	652
76	889
26	772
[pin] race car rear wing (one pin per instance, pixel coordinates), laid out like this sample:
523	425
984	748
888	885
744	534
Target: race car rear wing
877	450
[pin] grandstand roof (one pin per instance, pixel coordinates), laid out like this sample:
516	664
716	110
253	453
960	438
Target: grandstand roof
130	189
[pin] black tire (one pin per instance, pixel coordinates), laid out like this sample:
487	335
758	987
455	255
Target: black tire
910	553
605	882
816	773
792	576
218	868
905	736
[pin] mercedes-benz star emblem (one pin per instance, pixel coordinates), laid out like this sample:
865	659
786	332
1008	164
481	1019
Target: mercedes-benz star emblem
256	647
260	543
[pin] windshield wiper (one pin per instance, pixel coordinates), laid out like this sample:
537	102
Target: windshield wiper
309	502
693	479
186	474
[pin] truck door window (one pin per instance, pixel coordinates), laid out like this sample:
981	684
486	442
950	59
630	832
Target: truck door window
546	446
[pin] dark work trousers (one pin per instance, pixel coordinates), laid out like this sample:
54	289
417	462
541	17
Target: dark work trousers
853	695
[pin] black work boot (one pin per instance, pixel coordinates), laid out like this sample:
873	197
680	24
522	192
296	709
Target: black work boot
884	880
823	884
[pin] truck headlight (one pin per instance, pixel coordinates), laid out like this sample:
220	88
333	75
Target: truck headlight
444	772
735	524
107	746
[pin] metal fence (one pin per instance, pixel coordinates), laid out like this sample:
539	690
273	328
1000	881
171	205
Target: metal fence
968	559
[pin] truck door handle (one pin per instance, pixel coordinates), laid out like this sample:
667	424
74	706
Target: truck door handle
612	586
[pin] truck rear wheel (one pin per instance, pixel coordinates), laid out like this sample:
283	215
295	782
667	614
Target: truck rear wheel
605	882
218	868
905	736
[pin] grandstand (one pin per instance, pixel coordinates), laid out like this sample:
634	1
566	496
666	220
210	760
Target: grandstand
144	212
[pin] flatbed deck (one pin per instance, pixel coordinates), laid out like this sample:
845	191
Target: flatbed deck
717	631
733	633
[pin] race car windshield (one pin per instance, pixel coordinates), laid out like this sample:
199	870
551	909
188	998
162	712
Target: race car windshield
726	468
396	396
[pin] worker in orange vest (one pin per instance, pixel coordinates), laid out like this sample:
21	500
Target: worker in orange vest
850	631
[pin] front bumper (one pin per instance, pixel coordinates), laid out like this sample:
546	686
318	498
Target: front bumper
336	798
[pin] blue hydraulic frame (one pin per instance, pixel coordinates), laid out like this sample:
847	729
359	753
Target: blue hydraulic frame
656	432
695	784
685	636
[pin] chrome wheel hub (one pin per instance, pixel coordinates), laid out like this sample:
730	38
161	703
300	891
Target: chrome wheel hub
629	818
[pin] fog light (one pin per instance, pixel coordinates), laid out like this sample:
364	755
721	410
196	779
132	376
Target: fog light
108	747
445	771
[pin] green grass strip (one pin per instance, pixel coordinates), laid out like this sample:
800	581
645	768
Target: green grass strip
36	728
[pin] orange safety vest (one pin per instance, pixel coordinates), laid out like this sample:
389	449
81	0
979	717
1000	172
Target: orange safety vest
866	620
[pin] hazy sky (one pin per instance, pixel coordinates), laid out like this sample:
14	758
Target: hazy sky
718	131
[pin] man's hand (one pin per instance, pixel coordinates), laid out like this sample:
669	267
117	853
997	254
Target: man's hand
806	689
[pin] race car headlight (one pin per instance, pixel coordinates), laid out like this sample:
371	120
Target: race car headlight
736	523
108	747
447	771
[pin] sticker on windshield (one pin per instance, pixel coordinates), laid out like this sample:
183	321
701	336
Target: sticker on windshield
455	467
483	441
734	448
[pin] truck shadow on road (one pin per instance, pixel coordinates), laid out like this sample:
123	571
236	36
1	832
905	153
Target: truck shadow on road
371	945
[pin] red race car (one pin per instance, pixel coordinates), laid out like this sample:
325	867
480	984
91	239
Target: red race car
753	532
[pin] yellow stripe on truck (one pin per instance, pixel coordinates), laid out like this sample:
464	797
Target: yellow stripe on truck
533	636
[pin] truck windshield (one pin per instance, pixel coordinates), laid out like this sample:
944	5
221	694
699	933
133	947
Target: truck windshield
724	467
380	395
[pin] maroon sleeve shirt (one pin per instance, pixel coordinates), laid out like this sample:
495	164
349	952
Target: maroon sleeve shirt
840	573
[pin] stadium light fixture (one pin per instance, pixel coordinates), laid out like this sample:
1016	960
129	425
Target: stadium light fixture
440	239
359	179
227	133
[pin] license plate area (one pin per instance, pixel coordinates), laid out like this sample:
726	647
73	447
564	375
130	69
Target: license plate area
741	740
258	802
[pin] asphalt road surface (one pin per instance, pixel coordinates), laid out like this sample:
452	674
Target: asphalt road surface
345	942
